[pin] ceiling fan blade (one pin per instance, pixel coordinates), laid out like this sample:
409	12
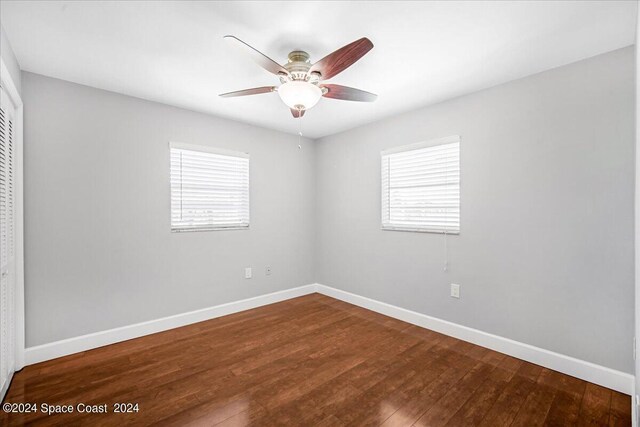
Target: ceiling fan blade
258	57
297	113
342	58
348	93
252	91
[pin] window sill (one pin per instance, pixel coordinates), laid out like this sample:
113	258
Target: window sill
193	230
419	230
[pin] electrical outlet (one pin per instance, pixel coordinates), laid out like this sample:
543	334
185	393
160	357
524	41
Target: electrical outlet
247	273
455	290
267	271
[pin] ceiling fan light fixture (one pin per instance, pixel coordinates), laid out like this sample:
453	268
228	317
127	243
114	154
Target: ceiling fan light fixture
299	95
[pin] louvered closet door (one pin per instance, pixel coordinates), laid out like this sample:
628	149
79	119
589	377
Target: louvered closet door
7	242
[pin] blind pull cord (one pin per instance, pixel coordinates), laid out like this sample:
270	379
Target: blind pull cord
446	252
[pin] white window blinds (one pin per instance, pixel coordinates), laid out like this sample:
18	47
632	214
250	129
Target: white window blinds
209	188
421	187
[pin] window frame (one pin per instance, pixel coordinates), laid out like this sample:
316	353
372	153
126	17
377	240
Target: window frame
211	150
417	146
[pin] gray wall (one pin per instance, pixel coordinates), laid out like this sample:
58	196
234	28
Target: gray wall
637	225
545	254
99	253
10	60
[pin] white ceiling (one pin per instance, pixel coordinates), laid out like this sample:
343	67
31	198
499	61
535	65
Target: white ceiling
173	52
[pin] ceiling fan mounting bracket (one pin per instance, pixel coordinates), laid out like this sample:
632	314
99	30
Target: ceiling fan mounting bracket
298	56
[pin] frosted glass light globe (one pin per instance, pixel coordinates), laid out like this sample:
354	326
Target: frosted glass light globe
299	95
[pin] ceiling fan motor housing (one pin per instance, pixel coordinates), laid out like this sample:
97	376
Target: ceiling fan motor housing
298	67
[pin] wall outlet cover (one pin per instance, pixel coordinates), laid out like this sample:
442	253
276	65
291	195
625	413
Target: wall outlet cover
455	290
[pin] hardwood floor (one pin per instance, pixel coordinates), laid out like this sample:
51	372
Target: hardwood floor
309	361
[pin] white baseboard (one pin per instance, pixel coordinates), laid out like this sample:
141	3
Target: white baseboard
65	347
587	371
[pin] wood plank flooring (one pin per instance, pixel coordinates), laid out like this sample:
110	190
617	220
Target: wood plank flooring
309	361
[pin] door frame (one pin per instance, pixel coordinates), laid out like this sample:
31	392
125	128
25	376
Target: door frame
9	85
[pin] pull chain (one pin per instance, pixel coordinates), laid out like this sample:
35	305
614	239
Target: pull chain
300	129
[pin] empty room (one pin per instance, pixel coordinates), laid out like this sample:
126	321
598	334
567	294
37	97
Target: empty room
319	213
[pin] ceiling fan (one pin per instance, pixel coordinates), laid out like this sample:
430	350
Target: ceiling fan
302	82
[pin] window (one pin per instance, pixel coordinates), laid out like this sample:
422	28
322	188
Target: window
209	188
421	187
